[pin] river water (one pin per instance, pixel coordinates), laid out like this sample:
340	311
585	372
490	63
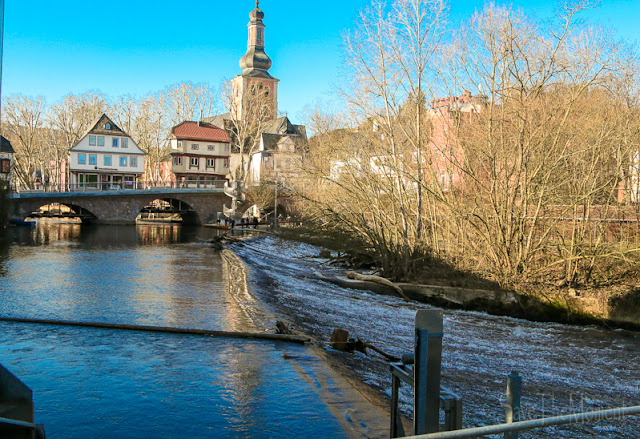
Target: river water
565	369
97	383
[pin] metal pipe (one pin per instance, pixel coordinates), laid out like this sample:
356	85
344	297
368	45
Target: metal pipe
206	332
16	423
532	424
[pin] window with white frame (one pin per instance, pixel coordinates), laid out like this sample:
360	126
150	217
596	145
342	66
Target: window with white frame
133	162
123	161
211	163
177	161
226	148
92	140
107	126
114	142
195	146
124	143
107	160
211	147
180	144
226	163
82	159
93	159
100	140
195	162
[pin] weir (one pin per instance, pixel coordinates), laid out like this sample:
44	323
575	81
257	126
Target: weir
124	327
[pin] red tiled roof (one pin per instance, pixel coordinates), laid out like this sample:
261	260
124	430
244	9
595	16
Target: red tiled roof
191	130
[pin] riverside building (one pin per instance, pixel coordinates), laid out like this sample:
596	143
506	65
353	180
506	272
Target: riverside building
6	162
200	153
106	158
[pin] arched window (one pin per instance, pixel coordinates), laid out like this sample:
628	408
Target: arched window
107	126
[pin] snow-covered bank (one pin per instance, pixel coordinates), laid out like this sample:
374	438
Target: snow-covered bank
565	368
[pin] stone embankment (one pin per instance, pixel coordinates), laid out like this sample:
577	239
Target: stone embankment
566	306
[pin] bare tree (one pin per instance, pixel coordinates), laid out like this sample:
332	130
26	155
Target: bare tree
248	117
144	120
69	120
188	101
23	122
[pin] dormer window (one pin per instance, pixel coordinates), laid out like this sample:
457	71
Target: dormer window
107	126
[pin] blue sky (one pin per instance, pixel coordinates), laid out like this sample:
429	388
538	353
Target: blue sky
139	46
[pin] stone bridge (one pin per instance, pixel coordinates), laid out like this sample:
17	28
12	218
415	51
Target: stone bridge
123	206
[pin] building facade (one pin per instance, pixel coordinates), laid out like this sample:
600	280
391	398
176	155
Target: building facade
200	153
106	158
6	162
280	152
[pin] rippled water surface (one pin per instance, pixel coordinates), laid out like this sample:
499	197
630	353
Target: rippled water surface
566	369
96	383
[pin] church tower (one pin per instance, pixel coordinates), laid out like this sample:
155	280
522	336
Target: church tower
255	82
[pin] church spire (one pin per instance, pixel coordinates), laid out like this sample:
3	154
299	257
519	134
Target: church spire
255	58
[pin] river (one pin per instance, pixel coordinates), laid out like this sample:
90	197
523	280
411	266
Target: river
565	369
98	383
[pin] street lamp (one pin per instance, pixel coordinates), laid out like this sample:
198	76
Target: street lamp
275	210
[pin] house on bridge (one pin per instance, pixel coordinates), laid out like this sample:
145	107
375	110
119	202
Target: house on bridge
200	153
106	158
6	162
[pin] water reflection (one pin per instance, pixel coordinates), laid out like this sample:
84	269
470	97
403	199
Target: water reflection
151	274
5	242
96	383
47	233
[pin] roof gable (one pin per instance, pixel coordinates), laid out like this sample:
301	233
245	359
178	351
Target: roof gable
104	125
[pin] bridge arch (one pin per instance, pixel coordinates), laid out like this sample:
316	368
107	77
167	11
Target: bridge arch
57	210
168	209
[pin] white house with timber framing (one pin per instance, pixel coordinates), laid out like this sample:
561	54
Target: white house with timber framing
106	158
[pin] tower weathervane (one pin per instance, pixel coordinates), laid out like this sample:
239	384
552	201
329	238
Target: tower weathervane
257	3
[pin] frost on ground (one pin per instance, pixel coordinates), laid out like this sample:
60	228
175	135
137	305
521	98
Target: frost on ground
565	369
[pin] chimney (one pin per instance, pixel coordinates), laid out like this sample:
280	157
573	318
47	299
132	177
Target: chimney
200	120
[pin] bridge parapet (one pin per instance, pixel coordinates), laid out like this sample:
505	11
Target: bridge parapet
121	206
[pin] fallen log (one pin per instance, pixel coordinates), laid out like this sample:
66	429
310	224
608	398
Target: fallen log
378	280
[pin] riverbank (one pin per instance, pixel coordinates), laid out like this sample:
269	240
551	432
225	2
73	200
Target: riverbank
441	285
564	367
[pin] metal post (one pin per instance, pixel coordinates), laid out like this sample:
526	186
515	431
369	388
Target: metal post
452	406
428	362
397	430
275	209
512	406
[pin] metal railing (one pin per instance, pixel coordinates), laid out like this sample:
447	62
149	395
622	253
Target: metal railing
532	424
422	371
425	375
126	185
